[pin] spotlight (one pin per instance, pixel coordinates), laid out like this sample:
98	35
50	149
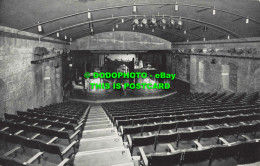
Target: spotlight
179	24
145	22
136	22
153	21
163	23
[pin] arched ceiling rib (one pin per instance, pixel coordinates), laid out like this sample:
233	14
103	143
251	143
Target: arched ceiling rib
229	19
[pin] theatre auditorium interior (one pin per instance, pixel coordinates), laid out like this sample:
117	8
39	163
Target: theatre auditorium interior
129	82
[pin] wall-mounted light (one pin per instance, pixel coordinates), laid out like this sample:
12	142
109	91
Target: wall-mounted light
152	30
228	37
89	14
70	65
176	7
122	20
204	39
133	28
247	20
40	28
58	34
65	37
70	39
185	32
116	25
134	8
113	29
187	40
214	11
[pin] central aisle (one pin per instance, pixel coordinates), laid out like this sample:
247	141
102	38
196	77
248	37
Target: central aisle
100	144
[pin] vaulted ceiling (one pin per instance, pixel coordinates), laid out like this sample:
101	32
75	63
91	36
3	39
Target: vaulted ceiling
72	17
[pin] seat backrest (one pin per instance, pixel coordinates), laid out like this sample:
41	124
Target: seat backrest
7	161
151	128
164	159
197	155
167	138
143	140
51	148
168	126
189	135
132	130
210	133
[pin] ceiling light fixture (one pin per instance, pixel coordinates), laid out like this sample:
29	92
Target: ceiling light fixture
176	7
89	14
214	11
247	20
134	8
40	27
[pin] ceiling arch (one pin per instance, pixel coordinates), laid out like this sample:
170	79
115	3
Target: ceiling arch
230	17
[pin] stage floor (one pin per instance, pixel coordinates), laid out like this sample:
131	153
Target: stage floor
118	94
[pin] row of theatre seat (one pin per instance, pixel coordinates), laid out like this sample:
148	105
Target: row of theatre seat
191	129
42	136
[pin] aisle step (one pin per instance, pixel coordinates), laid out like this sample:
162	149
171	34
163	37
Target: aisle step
100	144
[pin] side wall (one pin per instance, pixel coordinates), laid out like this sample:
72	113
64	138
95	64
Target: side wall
24	85
246	63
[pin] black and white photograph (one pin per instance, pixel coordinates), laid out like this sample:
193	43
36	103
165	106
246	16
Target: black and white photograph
129	82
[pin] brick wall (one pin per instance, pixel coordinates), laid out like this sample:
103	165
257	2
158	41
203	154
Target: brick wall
22	84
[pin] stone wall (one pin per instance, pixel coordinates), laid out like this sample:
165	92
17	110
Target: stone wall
24	85
247	79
